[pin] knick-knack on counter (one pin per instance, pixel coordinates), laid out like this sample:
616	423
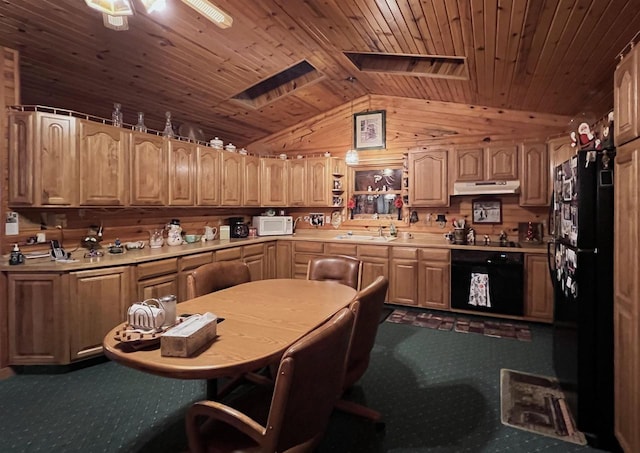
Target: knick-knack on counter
116	116
168	128
351	205
140	126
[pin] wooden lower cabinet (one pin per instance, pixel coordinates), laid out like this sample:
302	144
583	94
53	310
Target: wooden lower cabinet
538	294
270	260
157	279
434	280
98	302
303	252
253	255
188	264
38	322
375	262
284	267
403	281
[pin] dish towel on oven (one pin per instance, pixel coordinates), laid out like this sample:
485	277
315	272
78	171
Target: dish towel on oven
479	290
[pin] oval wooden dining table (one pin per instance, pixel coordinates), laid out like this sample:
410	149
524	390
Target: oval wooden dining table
261	320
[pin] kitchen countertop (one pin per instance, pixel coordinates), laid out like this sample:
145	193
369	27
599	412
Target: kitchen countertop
148	254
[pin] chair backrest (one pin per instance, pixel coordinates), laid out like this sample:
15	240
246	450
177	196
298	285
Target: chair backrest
216	276
368	305
341	268
308	383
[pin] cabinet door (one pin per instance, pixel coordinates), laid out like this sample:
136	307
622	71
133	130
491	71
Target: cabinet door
626	99
403	283
428	178
434	279
208	176
297	182
318	190
103	165
270	260
502	162
99	300
187	265
148	170
560	150
182	173
539	292
37	319
231	179
253	255
153	288
274	182
21	159
251	181
534	171
626	296
375	262
283	260
58	167
469	164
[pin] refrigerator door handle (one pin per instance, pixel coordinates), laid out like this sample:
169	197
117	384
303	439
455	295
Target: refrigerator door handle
551	260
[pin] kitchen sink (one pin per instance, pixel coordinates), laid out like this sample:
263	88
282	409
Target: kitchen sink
366	238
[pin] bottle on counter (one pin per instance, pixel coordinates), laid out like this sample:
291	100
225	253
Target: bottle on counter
16	256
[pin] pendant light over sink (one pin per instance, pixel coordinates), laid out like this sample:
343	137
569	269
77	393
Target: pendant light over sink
351	158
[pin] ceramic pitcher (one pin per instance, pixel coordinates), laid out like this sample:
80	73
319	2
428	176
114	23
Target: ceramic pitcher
210	233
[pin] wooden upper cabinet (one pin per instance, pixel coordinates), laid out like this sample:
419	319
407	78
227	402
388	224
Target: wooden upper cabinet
251	180
318	181
231	179
103	164
21	159
297	182
429	178
469	164
274	182
502	162
182	173
208	163
148	170
534	170
626	99
57	169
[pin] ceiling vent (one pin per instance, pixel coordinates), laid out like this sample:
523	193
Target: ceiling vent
280	84
411	64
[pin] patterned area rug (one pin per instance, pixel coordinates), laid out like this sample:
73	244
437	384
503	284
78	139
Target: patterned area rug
490	328
537	404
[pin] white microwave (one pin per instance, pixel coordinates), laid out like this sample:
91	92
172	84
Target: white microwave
273	225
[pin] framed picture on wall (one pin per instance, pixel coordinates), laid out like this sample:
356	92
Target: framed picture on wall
487	210
369	130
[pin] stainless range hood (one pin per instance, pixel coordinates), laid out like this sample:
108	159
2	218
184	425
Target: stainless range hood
486	187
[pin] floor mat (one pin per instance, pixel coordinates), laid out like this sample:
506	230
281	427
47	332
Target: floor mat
490	328
537	404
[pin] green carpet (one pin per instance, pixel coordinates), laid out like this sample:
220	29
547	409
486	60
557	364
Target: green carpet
439	391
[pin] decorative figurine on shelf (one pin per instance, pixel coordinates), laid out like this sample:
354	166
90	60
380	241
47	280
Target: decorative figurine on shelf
351	205
471	236
398	204
140	127
116	116
530	235
168	128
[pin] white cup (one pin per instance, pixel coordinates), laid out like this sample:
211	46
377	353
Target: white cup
406	235
40	238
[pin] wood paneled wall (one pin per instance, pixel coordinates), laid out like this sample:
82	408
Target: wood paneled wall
410	123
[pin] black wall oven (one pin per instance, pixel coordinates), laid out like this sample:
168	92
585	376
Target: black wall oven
487	281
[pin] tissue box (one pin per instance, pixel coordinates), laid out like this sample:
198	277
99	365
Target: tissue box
186	338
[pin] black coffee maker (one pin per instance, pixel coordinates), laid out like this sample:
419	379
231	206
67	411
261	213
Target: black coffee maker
237	227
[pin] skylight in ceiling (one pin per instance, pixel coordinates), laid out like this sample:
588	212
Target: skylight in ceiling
411	65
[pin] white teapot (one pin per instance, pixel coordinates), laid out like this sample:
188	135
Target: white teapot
174	235
210	233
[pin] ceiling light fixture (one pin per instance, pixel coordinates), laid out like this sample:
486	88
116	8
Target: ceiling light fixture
117	23
211	12
111	7
154	5
351	158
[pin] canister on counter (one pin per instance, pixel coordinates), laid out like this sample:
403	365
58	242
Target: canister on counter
225	232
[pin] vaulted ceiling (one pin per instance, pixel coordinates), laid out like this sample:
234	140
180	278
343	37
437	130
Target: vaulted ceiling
533	55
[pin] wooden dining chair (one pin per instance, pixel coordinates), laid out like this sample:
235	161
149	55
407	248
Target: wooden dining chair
212	277
291	415
367	306
341	268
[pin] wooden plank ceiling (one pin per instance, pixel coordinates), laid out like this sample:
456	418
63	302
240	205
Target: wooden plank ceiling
532	55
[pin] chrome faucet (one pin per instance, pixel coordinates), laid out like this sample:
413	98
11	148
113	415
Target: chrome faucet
295	222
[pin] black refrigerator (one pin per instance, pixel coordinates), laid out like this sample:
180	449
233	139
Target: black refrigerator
581	265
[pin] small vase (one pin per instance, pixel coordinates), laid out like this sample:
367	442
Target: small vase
140	127
116	116
168	128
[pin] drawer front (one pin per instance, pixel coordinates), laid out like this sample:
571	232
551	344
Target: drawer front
160	267
435	254
253	250
309	247
376	251
231	254
194	261
341	249
407	253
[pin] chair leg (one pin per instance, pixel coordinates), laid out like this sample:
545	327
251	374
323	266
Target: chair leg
351	407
